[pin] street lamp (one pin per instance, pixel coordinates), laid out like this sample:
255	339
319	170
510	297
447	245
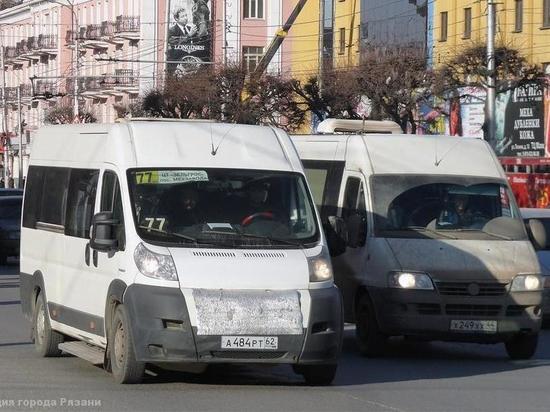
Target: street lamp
74	24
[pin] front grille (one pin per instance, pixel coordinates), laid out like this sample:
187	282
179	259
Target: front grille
428	309
516	310
247	355
473	310
463	288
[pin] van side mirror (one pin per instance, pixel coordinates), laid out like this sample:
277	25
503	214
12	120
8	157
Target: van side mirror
537	234
103	238
337	235
357	230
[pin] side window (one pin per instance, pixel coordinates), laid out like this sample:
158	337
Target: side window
351	196
111	201
33	196
354	212
54	196
81	202
324	178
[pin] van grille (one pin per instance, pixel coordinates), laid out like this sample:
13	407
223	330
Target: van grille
264	255
214	254
463	288
473	310
428	308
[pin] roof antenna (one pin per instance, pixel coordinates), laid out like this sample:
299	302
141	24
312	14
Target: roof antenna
213	152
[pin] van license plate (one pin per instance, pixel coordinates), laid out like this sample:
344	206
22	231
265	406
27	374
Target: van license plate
483	326
250	342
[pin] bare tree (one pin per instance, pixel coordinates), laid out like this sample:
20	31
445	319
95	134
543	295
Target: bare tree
64	114
395	81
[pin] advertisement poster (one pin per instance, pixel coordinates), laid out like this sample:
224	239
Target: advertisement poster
531	189
547	119
520	122
472	111
189	37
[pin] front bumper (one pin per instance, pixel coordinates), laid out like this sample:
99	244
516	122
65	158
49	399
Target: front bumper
427	314
163	333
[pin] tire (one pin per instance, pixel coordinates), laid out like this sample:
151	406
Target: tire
522	346
46	340
370	339
317	375
126	369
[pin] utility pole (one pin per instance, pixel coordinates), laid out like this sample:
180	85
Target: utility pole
4	119
491	72
321	43
20	131
76	33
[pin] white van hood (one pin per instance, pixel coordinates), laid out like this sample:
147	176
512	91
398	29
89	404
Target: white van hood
465	259
241	269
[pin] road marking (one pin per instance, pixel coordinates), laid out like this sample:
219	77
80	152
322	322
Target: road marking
377	404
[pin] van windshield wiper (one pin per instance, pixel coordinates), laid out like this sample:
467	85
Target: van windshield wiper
248	235
178	235
425	229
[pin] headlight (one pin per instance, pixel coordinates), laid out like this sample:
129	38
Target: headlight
526	283
320	268
154	265
410	280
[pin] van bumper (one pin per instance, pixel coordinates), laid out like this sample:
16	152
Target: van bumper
163	333
427	314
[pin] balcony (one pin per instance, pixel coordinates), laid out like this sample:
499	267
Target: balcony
93	38
123	81
10	53
127	27
126	79
22	51
47	42
108	29
45	88
70	37
32	43
11	93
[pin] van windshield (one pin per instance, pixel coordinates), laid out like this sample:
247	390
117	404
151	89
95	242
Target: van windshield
223	208
421	206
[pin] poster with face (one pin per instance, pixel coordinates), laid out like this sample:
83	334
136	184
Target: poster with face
189	35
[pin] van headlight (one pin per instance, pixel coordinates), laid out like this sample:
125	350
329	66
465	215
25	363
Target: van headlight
410	280
526	283
320	267
154	265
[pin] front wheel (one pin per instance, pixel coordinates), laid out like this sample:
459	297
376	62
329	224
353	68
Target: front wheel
370	339
317	375
125	367
46	340
522	346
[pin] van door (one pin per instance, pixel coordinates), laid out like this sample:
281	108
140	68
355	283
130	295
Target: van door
350	267
79	285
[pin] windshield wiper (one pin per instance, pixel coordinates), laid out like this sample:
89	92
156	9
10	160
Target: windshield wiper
503	237
248	235
178	235
425	229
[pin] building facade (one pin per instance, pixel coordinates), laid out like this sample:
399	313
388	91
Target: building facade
520	24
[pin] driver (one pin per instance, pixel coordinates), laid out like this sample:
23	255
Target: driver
457	214
258	207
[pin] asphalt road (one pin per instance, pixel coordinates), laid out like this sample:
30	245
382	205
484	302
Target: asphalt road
413	377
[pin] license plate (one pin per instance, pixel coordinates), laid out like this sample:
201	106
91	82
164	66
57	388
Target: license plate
249	342
483	326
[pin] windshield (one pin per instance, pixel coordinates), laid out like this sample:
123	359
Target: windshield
445	207
223	207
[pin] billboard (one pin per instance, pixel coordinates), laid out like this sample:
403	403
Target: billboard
472	111
531	189
520	122
189	37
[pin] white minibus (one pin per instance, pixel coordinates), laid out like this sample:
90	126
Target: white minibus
176	243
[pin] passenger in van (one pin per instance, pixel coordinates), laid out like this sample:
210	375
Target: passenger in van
183	209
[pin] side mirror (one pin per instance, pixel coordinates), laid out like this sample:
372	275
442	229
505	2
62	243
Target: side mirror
537	234
337	235
103	238
357	230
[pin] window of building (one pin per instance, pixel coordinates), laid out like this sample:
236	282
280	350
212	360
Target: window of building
443	29
546	13
518	22
253	9
467	22
81	202
342	48
251	57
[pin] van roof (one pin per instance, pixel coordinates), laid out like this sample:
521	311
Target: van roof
403	154
157	143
